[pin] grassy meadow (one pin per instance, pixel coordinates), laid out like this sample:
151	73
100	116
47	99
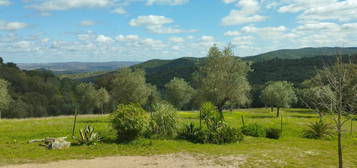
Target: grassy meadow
292	150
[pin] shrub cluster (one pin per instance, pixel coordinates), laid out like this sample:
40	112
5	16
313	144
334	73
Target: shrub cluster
215	130
256	130
162	121
130	121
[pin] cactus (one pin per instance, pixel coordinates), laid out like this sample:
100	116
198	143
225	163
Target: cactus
87	136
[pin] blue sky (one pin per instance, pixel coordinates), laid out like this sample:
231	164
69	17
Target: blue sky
138	30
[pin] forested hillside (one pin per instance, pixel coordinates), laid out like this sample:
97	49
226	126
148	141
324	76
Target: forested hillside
302	53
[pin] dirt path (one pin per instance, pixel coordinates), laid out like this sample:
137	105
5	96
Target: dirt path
181	160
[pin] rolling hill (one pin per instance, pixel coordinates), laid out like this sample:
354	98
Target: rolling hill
77	67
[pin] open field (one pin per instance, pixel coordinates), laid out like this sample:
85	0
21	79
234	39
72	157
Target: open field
290	151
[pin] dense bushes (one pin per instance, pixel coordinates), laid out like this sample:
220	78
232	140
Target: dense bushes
254	130
130	121
318	130
163	121
215	130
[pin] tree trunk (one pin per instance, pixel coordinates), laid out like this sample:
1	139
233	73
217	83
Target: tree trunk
339	140
272	109
102	106
220	110
0	115
281	124
75	121
278	112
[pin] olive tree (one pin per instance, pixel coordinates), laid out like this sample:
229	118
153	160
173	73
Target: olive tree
222	78
103	97
278	94
5	98
129	86
179	92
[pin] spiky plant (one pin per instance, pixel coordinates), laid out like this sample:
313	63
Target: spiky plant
87	136
318	130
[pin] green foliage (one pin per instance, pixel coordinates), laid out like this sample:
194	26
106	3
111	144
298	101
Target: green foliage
273	133
254	130
192	133
318	130
179	92
86	97
129	86
130	121
103	98
210	115
87	136
279	94
222	78
224	134
163	121
5	98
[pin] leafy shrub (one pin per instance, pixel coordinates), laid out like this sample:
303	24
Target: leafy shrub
223	134
273	133
209	115
130	121
192	133
163	120
87	136
254	130
318	130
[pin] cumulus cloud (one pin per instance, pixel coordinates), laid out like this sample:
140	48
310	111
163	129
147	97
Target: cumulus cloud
4	2
59	5
167	2
87	23
246	14
229	1
119	11
8	26
104	39
156	24
177	39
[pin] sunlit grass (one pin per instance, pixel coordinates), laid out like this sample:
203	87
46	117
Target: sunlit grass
292	150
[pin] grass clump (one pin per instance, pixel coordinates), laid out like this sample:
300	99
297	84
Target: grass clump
162	121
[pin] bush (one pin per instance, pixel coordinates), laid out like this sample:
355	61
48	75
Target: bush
273	133
254	130
163	120
87	136
209	115
318	130
192	134
130	121
223	134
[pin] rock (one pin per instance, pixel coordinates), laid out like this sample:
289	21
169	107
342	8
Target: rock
59	145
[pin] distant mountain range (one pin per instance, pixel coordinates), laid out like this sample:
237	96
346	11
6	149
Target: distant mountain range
77	67
179	67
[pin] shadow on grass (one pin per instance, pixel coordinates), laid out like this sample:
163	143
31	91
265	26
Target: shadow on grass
92	121
298	116
262	117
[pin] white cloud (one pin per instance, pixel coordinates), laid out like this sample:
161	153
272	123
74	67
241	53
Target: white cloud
155	24
130	37
150	20
247	13
87	23
167	2
229	1
293	6
177	39
58	5
243	40
207	38
104	39
232	33
12	25
119	11
4	2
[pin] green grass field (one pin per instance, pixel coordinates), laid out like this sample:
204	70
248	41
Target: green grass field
290	151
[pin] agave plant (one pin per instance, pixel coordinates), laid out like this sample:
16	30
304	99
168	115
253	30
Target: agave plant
87	136
318	130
